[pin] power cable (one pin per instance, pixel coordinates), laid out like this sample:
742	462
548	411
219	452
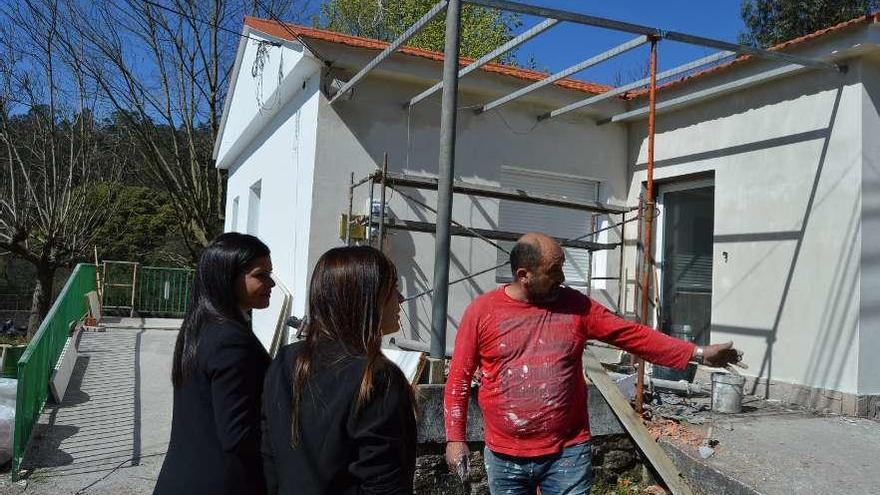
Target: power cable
215	26
291	32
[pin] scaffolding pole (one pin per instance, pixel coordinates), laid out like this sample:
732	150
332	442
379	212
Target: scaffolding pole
649	219
448	110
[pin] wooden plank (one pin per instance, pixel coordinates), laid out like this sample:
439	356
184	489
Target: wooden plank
633	425
63	371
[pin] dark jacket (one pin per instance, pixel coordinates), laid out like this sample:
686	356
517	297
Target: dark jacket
215	430
341	450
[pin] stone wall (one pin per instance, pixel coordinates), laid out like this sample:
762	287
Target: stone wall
613	451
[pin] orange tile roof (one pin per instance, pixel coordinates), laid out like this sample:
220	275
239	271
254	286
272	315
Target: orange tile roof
866	19
283	31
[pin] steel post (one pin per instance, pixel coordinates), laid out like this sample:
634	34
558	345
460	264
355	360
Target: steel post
444	190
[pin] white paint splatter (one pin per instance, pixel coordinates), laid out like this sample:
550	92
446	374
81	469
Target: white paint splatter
525	369
519	423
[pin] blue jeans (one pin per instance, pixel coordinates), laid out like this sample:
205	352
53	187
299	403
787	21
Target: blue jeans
566	473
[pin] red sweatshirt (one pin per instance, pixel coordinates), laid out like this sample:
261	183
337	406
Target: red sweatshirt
532	392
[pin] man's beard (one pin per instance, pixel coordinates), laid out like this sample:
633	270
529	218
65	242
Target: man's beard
543	296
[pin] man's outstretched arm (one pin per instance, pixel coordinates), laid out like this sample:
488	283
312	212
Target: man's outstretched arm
652	345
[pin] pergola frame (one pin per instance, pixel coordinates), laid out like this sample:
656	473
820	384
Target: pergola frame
449	86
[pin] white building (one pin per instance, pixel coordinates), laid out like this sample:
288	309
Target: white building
768	232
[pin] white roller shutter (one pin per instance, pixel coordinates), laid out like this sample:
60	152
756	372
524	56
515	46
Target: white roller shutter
560	222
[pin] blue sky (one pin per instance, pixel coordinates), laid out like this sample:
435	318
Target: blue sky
567	44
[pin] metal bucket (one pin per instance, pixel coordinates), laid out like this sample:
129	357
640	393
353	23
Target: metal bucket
727	392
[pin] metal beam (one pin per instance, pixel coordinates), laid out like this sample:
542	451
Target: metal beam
485	59
637	84
710	92
564	15
485	191
446	167
409	33
625	47
495	235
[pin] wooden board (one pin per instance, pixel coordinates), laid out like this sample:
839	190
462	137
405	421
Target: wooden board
410	362
634	426
64	369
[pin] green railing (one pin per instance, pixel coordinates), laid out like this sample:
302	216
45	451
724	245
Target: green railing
39	359
162	291
158	291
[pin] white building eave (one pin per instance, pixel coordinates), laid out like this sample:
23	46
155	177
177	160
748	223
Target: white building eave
293	82
307	65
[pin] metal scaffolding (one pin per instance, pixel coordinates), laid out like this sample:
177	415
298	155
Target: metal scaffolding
398	182
445	185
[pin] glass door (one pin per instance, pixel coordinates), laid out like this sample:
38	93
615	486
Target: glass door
687	216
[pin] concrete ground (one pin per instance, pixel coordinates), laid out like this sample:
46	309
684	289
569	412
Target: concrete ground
110	433
772	449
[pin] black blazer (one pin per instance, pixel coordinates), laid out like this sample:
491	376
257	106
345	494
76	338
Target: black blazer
340	451
215	429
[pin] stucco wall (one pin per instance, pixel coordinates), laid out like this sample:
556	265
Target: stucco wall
282	158
787	166
869	328
249	95
354	135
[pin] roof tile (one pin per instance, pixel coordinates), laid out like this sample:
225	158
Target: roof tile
285	31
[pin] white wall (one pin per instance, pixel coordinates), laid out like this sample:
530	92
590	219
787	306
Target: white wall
787	165
282	159
869	336
353	135
249	95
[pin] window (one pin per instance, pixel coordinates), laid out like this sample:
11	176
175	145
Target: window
566	223
233	225
253	220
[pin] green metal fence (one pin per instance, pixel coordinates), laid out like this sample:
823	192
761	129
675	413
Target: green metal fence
161	291
148	291
41	355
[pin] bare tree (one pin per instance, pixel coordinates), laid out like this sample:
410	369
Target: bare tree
52	155
165	67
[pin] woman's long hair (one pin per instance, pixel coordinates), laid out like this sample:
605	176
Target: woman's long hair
347	293
213	295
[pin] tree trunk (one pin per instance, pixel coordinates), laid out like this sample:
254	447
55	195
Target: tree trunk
42	299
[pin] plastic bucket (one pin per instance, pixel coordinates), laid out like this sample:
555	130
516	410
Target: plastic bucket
727	392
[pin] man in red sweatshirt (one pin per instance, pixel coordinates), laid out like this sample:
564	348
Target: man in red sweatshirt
527	339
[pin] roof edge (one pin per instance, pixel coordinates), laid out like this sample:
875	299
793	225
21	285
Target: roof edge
288	31
868	19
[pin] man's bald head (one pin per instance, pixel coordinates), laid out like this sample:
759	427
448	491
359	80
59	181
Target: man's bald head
536	263
530	249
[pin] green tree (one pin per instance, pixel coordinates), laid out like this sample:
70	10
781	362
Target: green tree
140	226
482	29
769	22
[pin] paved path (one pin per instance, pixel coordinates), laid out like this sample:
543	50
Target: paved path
781	450
114	420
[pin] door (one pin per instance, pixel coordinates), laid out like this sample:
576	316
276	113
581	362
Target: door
687	214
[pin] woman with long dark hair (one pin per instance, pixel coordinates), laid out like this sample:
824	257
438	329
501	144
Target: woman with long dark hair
338	416
217	373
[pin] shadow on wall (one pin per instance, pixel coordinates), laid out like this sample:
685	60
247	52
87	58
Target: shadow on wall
834	316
